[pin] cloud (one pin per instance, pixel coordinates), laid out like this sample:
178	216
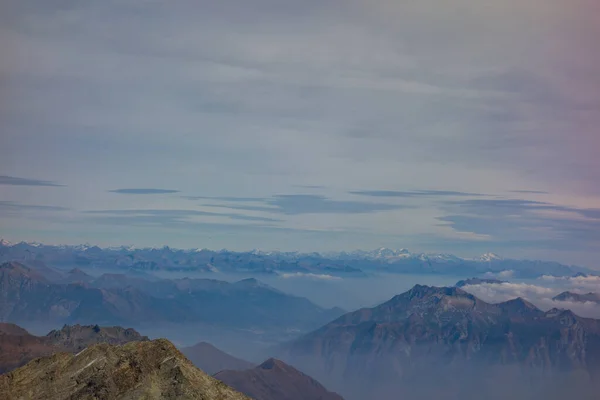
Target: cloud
541	295
143	191
310	276
227	198
535	223
297	204
417	193
171	216
14	181
11	207
529	191
506	274
581	284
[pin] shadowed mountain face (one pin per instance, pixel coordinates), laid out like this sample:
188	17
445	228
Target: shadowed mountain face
119	299
275	380
149	370
212	360
17	346
578	297
450	334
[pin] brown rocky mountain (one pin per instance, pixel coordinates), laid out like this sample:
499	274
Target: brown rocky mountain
448	335
212	360
137	370
17	346
275	380
578	297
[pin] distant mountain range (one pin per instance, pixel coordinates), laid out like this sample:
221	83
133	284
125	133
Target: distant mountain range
343	264
431	341
116	299
17	346
137	370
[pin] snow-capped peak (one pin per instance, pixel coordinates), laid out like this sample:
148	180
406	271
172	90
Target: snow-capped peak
5	243
487	257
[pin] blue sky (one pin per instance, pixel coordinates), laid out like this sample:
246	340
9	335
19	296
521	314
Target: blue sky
325	125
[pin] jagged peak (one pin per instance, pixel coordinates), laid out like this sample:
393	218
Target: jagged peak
519	301
560	312
519	306
424	290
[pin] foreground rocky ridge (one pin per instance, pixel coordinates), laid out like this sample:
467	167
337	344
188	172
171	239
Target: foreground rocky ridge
148	369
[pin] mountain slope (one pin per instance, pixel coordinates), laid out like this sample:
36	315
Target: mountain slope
149	370
212	360
17	347
275	380
447	333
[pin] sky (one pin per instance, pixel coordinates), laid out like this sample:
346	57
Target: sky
461	127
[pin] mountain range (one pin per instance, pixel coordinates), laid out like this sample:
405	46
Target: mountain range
462	343
342	264
119	299
242	316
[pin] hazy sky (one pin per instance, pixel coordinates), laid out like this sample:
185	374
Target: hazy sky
461	126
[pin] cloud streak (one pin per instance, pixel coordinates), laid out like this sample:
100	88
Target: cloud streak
10	206
297	204
15	181
417	193
158	216
143	191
